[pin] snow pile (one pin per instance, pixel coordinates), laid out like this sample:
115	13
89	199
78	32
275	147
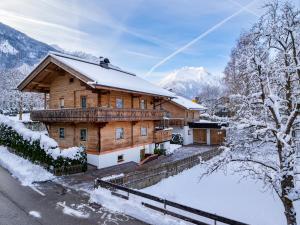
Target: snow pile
112	177
173	147
72	212
48	144
35	214
5	47
25	171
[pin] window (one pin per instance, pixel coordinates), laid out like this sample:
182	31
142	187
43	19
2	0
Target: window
83	102
143	104
61	132
62	103
120	158
119	133
83	134
119	103
143	131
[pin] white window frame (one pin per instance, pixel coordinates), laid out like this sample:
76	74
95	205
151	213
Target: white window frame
142	131
86	134
119	133
59	132
61	103
119	101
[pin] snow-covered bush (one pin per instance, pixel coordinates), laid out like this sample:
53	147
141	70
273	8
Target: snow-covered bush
38	147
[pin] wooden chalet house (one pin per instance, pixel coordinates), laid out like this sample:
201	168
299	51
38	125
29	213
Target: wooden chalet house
185	118
114	114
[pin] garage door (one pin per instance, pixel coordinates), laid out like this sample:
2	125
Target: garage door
199	136
217	136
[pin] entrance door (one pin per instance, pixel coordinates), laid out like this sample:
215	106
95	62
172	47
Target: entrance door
217	136
199	136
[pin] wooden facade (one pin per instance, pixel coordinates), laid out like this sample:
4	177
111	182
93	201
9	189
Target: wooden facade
101	120
178	115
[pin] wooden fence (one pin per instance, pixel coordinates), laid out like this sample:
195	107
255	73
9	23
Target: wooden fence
154	174
183	208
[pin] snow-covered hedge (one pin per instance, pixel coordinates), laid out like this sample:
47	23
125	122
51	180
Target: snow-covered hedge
38	147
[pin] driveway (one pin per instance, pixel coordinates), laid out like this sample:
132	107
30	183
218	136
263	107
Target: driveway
50	203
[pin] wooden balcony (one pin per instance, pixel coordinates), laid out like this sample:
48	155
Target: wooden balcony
95	115
163	135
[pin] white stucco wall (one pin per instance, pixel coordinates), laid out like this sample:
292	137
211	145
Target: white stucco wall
111	159
187	135
208	136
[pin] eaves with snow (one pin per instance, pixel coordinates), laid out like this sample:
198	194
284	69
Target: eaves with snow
188	104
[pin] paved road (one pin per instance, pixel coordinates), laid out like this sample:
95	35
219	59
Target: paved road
55	204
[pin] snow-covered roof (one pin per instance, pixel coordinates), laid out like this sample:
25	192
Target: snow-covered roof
111	76
98	76
188	104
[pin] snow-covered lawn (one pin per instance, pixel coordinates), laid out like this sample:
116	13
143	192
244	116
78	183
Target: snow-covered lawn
224	194
25	171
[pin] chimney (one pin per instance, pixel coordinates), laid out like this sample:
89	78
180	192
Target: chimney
104	62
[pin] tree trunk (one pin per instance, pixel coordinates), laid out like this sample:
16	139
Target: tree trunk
289	211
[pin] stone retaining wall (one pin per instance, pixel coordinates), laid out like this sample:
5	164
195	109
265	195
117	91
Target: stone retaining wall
151	176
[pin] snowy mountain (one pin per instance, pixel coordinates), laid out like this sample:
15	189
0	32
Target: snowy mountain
19	50
19	53
189	81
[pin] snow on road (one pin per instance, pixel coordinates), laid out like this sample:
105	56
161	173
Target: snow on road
224	194
72	212
35	214
24	170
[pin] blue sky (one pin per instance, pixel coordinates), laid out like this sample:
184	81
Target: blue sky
150	38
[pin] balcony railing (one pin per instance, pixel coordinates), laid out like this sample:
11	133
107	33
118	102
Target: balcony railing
95	115
163	135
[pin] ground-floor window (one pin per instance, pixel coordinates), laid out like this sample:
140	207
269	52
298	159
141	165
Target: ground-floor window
119	133
61	132
83	134
143	131
120	158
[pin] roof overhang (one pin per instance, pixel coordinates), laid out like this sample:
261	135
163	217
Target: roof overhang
216	125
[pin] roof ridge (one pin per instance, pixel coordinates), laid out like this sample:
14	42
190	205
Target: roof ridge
110	66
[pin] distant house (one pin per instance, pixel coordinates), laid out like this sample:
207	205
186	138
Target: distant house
112	113
184	116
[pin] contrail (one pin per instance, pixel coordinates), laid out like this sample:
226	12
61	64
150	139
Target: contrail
198	38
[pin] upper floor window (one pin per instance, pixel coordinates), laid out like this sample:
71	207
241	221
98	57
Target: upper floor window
143	104
119	103
61	132
62	103
119	133
143	131
83	134
83	102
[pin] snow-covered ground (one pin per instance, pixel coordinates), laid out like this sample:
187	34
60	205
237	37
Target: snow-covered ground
224	194
25	171
173	147
25	117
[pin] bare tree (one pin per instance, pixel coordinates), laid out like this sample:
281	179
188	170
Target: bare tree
263	82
